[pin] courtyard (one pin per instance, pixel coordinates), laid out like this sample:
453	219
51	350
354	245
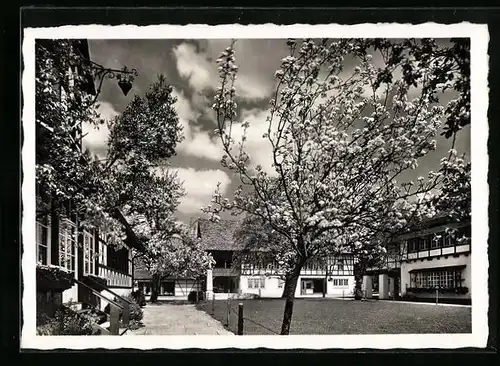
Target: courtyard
335	316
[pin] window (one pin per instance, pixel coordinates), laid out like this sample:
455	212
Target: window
450	278
88	254
42	240
437	240
67	245
413	245
424	243
446	238
340	282
258	282
449	238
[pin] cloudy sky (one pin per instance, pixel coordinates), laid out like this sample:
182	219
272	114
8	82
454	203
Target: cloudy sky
189	66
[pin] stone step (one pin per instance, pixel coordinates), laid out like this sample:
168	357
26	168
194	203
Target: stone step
101	330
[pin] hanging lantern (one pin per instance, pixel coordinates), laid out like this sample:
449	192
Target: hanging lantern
125	85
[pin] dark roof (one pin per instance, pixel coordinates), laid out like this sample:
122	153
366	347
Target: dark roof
217	235
441	218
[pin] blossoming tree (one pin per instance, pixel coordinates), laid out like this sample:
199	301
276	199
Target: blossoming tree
340	139
141	141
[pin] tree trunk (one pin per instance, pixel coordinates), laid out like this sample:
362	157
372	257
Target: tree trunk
325	284
155	288
285	287
290	287
359	271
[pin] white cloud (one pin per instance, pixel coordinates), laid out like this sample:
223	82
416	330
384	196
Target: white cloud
200	69
249	88
195	67
96	137
199	186
196	142
258	148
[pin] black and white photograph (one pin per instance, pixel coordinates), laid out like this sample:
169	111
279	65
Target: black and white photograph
304	184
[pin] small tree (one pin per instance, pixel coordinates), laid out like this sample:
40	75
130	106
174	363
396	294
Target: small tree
141	141
173	255
339	142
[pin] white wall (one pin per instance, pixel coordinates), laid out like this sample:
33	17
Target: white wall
271	288
437	263
70	295
184	287
339	291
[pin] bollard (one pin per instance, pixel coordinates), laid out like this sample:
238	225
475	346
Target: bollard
197	299
213	304
227	311
126	313
342	293
114	319
240	318
437	296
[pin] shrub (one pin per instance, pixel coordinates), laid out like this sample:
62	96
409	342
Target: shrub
139	298
67	322
192	296
136	312
53	278
358	294
432	290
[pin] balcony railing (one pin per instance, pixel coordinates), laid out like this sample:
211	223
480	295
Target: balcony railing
437	252
225	272
115	278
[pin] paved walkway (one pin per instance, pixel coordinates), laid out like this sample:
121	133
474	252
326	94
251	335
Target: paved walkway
168	319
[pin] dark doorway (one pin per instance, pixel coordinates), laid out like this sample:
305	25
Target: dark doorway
168	288
397	286
225	284
310	286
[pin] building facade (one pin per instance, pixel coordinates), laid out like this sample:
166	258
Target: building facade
63	245
256	274
170	287
432	261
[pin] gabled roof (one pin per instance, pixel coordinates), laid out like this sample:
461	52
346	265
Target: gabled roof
217	235
441	218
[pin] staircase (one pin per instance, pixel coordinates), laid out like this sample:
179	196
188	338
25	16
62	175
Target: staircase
115	323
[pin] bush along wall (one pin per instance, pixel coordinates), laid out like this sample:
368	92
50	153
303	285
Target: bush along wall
430	290
53	279
68	322
136	313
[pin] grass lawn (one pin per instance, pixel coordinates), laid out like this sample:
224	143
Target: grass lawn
334	316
